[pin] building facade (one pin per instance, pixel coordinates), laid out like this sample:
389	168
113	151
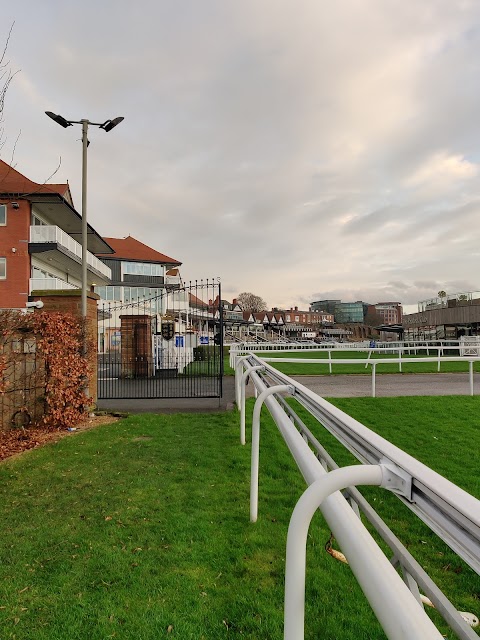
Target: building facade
389	312
451	317
40	241
138	272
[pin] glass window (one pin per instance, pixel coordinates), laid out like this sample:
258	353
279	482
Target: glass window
3	268
143	269
37	222
3	215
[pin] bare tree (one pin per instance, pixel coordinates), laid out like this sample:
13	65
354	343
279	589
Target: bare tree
250	302
6	76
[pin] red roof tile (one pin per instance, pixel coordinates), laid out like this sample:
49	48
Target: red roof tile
12	181
131	249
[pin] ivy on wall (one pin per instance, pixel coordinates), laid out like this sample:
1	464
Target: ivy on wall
61	363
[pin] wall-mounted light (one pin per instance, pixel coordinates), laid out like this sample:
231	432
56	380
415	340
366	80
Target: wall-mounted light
15	205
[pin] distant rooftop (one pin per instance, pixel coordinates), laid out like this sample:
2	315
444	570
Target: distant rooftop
12	182
131	249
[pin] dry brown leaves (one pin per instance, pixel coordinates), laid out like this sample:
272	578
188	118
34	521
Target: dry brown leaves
16	441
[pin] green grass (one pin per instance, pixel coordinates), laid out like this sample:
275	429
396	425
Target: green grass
132	529
298	369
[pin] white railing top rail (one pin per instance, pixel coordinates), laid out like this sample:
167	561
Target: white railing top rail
52	233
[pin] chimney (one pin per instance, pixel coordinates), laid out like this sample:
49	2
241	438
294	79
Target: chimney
296	308
234	301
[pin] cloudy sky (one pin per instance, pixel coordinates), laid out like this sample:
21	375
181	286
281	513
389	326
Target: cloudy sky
298	149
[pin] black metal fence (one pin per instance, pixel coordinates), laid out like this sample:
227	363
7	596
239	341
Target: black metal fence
168	346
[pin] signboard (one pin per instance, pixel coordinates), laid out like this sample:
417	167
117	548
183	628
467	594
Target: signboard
204	340
179	341
168	329
115	338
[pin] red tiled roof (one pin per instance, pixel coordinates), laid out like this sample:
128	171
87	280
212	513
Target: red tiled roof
131	249
12	181
196	302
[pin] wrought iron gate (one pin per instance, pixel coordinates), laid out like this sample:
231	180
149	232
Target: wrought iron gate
169	346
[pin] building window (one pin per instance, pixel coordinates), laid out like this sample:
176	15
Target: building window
3	215
142	268
38	222
3	268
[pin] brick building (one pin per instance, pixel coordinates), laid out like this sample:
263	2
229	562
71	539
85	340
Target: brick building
40	240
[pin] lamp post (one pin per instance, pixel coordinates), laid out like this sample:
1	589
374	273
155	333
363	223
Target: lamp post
108	125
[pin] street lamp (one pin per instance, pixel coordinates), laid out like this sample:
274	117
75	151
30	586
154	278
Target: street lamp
108	125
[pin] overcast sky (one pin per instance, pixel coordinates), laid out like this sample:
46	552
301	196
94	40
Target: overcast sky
298	149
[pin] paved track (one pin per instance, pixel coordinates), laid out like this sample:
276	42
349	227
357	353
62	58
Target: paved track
392	384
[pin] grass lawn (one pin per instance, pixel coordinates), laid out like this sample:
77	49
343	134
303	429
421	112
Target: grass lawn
298	369
140	530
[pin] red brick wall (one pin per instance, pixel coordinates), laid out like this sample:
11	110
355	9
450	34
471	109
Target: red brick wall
14	290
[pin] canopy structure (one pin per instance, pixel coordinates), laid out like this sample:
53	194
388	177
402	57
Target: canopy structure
391	328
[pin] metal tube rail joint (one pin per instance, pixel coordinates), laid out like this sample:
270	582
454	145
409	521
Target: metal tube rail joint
396	608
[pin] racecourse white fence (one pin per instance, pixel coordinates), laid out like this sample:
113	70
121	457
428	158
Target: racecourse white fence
469	353
453	514
439	347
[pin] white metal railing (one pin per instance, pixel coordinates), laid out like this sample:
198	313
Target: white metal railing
453	514
52	233
37	284
374	362
440	347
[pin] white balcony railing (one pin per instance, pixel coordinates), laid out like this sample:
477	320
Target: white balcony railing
47	233
43	284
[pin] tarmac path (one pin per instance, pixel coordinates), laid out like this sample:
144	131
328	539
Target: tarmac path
392	384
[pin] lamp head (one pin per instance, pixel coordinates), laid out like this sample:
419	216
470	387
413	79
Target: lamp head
59	119
109	124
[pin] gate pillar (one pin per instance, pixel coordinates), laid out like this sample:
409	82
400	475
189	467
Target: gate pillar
136	346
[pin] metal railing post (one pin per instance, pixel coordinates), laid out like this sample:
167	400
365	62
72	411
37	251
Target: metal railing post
256	444
240	359
470	371
243	383
374	367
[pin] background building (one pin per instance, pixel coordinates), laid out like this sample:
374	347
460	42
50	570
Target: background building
40	240
389	312
138	272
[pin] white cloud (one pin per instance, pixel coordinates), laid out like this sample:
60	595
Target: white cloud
290	148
